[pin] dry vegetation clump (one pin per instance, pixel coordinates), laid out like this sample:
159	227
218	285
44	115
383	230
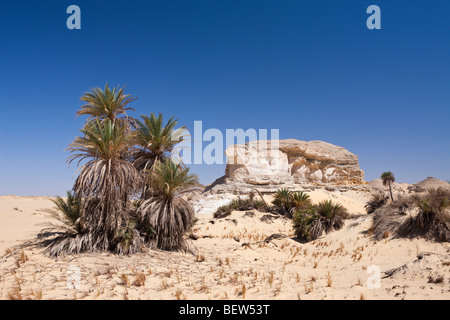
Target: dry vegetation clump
377	201
241	204
424	215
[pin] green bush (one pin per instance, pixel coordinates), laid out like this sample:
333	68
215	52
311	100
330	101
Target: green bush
311	221
286	202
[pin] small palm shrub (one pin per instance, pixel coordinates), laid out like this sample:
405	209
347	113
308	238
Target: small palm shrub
305	224
310	222
68	213
282	201
286	202
299	200
377	201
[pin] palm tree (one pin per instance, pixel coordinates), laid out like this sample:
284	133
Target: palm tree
333	215
68	213
107	104
166	212
106	182
299	200
282	200
311	222
155	140
388	178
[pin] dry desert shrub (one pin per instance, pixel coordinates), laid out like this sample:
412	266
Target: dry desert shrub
424	215
377	201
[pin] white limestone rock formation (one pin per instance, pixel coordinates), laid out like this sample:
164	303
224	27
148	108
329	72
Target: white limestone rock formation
273	164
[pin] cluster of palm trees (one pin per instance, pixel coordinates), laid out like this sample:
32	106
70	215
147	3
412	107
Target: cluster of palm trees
128	195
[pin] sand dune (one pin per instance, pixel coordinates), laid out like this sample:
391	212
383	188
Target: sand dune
235	260
20	218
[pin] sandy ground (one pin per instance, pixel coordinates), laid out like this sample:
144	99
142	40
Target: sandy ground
235	260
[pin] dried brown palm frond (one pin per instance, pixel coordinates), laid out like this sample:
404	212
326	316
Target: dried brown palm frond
89	242
377	201
388	218
386	221
170	219
433	219
425	215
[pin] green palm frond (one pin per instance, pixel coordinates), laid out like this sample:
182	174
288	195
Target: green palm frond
387	177
328	209
109	103
310	222
101	140
68	213
171	180
282	200
155	139
300	199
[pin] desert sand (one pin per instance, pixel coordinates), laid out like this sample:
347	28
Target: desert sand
247	255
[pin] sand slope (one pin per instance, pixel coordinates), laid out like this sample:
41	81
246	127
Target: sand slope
20	218
233	262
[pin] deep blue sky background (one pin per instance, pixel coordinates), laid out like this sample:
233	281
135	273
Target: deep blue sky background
309	68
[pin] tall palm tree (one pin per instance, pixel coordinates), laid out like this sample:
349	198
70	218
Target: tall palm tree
106	181
155	140
166	212
388	178
109	103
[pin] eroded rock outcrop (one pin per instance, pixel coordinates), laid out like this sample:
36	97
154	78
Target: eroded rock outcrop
270	165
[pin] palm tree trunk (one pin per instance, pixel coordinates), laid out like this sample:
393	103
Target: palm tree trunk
264	201
390	191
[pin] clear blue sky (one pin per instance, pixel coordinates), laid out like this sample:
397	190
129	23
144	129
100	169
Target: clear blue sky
309	68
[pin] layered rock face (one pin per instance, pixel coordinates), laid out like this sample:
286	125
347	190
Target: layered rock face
270	165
